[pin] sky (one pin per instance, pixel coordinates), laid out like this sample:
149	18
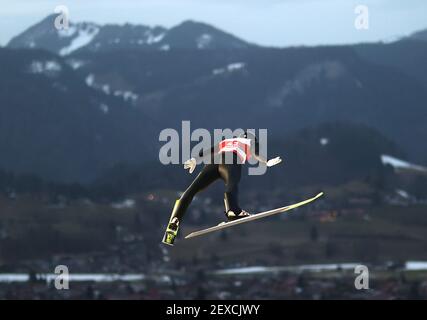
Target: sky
266	22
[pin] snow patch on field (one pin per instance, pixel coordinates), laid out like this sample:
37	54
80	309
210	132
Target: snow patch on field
106	88
403	193
300	268
165	47
126	204
85	277
416	265
84	37
75	64
324	141
127	95
229	68
49	67
90	80
154	38
204	41
68	32
150	38
400	164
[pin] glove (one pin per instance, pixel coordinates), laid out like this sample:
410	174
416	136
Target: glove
274	161
190	165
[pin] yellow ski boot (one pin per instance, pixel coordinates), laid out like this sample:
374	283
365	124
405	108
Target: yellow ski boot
172	228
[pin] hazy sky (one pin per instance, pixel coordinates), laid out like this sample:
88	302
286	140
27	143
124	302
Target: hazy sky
267	22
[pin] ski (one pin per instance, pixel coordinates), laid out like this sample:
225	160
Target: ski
253	217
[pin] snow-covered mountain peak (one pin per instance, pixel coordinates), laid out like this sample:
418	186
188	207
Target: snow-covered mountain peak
93	37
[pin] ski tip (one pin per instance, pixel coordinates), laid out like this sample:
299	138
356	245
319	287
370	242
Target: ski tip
320	194
168	244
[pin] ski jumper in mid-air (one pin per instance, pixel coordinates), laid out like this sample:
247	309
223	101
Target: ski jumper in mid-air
238	150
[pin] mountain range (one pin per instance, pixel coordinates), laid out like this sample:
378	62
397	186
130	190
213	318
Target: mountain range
96	38
76	102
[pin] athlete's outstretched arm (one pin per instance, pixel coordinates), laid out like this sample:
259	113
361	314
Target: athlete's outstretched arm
202	156
261	159
255	152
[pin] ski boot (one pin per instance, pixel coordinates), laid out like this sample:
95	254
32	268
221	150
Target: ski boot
230	201
231	215
171	232
173	226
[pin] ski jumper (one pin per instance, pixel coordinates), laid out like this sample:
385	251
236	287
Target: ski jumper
226	159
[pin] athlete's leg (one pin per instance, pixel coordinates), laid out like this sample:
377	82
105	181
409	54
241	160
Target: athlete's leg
208	175
231	174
